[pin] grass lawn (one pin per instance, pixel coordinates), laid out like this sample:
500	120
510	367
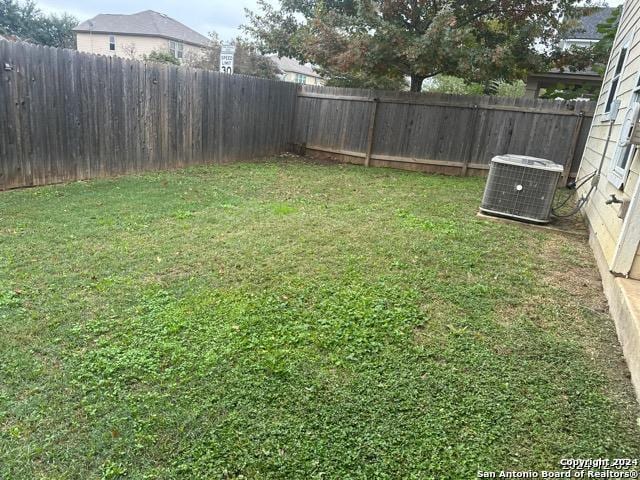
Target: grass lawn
283	319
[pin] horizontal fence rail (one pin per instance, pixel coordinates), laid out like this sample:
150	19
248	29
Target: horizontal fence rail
66	115
434	132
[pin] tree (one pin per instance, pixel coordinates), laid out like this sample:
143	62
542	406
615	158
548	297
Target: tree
593	58
501	88
478	40
453	85
247	60
602	49
458	86
130	50
161	57
362	80
571	92
57	31
25	21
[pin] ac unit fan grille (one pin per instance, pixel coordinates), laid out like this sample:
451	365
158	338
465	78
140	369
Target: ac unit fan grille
520	192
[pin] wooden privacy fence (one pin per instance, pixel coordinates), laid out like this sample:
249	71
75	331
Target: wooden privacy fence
66	115
433	132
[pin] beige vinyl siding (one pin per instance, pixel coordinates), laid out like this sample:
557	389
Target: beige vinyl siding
309	80
128	46
604	218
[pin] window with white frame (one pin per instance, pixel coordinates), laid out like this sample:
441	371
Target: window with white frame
617	74
625	150
176	49
112	42
300	78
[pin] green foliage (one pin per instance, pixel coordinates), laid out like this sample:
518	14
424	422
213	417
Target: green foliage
161	57
288	320
24	20
502	88
247	59
571	92
602	49
458	86
594	57
476	40
453	85
362	80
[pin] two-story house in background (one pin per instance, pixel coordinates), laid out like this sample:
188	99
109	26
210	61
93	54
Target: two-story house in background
294	71
585	35
136	35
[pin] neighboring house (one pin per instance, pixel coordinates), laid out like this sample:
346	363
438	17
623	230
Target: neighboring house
587	33
133	36
613	207
293	71
584	36
9	38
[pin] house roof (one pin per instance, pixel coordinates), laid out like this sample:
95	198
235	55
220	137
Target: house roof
555	76
287	64
147	23
588	29
9	38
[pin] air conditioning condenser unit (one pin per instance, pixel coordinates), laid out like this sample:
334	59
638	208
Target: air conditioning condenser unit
521	187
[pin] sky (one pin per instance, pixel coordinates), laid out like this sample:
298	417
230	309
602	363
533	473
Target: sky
204	16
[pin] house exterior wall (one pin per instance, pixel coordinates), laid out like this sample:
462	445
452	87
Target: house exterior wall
309	79
604	220
577	42
128	46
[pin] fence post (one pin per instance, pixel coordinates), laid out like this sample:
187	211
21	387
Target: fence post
572	149
292	127
372	127
467	157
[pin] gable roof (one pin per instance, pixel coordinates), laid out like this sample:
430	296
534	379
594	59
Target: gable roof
146	23
9	38
287	64
588	29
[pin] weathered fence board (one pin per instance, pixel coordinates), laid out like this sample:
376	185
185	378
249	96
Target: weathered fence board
66	115
434	132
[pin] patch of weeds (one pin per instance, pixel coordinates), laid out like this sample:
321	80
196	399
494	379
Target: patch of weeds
282	209
182	214
439	226
9	299
113	471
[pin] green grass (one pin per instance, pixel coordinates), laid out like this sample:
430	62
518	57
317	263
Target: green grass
289	320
